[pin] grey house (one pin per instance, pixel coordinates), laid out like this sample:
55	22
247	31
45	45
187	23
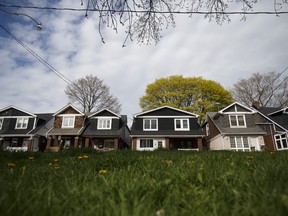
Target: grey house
106	131
23	131
166	127
240	128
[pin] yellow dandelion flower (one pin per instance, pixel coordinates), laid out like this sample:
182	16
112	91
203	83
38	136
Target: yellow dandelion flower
102	172
56	167
80	157
249	157
85	156
11	165
55	160
31	158
50	164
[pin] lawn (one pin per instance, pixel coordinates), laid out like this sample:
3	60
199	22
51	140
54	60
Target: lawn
159	183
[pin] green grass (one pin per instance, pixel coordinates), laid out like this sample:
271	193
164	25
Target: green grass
143	183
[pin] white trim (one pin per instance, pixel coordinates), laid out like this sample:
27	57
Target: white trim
150	129
236	103
162	107
22	122
237	121
104	126
62	115
284	110
69	126
65	107
6	108
1	125
181	124
99	117
102	111
190	117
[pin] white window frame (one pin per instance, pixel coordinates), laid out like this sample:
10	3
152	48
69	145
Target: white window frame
181	124
237	121
240	143
146	146
22	123
280	139
207	130
104	123
1	123
70	122
150	125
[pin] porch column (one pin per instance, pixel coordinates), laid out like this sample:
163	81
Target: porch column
200	144
49	140
1	142
30	144
116	143
76	141
86	142
167	146
134	143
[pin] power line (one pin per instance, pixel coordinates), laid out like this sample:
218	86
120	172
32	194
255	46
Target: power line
45	63
148	11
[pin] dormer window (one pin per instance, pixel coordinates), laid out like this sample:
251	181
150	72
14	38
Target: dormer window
22	123
104	123
237	121
150	124
181	124
68	121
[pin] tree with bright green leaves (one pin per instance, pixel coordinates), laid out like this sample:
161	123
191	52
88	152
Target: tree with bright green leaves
193	94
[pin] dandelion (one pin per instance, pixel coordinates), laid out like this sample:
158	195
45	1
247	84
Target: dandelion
80	157
55	160
102	172
11	165
56	167
85	156
31	158
249	157
50	164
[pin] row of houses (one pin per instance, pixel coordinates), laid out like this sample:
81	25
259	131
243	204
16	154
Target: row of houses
235	127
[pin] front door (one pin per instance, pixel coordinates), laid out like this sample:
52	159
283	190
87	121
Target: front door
160	143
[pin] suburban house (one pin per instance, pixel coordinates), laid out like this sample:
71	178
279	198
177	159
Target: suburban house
106	131
279	122
69	124
166	127
239	128
21	130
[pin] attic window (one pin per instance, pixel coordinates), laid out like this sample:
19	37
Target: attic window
68	121
237	121
104	123
22	123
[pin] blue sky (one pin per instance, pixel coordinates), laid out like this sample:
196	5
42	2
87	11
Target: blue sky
71	43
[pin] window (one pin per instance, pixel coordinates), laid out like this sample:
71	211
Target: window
104	123
1	122
239	144
281	141
68	121
109	144
181	124
150	124
22	123
146	143
237	121
207	130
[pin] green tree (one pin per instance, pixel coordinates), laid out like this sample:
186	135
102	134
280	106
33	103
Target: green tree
193	94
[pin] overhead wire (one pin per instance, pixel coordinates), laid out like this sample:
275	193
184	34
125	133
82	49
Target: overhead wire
147	11
39	58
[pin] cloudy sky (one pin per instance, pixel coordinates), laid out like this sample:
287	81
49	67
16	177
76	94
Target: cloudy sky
71	44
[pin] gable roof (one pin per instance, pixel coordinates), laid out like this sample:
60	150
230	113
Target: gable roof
166	107
280	111
238	108
98	113
66	107
16	108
